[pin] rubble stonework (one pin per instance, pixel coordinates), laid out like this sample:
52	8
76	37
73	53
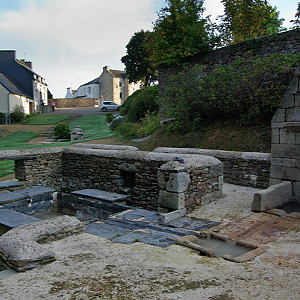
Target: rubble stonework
241	168
151	179
285	149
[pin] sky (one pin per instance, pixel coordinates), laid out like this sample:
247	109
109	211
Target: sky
70	41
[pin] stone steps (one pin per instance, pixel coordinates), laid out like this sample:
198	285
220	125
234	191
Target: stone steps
48	132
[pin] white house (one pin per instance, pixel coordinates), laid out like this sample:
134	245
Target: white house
111	85
20	85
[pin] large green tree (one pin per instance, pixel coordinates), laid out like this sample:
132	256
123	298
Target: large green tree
136	59
296	22
179	31
244	19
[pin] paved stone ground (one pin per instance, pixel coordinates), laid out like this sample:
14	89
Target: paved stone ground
91	267
143	226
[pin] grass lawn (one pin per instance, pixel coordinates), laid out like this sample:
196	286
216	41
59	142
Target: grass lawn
46	120
94	126
6	167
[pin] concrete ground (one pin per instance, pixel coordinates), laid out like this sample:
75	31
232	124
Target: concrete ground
91	267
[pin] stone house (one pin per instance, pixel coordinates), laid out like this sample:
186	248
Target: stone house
20	85
111	85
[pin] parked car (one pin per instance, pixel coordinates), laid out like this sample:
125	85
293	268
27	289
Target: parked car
109	105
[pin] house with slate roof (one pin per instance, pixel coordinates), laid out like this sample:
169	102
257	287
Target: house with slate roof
20	85
111	85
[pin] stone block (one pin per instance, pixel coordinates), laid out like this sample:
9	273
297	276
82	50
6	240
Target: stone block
161	180
272	197
297	100
287	137
296	191
297	138
284	150
178	182
275	136
274	181
277	162
288	101
279	116
293	114
171	216
294	86
289	163
171	200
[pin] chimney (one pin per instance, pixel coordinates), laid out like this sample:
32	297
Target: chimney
7	55
106	68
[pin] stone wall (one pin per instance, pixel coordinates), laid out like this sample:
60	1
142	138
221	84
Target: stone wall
285	42
76	102
285	148
240	168
41	166
152	180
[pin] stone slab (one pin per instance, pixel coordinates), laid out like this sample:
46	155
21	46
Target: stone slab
101	195
24	194
197	225
10	184
136	214
105	230
14	219
157	239
134	225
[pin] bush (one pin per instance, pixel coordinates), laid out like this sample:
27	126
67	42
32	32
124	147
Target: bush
17	115
116	122
249	90
2	118
109	117
140	103
142	129
62	131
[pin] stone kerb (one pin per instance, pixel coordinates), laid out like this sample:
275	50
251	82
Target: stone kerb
242	168
106	147
20	248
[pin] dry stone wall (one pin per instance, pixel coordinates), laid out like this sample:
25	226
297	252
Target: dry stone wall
240	168
286	42
76	102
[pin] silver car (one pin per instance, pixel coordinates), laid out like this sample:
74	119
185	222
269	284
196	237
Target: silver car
109	105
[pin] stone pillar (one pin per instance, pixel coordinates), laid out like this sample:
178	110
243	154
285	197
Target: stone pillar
285	150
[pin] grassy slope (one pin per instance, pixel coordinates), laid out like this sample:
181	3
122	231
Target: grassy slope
224	136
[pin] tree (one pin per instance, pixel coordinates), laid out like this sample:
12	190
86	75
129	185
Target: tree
244	19
179	31
136	60
296	22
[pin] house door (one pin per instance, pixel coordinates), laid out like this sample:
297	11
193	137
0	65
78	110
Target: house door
30	107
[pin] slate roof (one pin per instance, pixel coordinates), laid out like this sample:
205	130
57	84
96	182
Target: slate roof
118	73
94	81
12	86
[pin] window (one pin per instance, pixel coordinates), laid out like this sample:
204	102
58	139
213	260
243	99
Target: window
120	83
121	95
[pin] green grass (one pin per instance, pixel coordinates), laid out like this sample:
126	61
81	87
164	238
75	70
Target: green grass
46	120
94	126
6	167
17	140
